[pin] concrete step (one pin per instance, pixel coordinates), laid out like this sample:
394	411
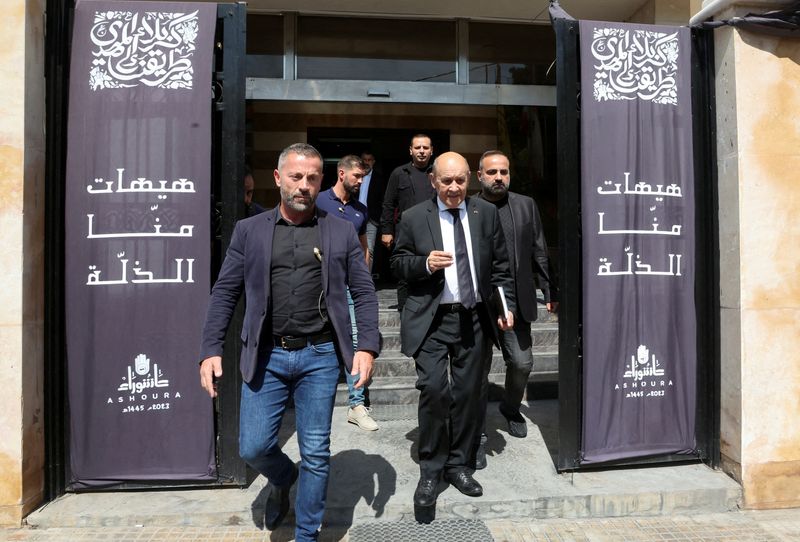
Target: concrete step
387	305
401	390
543	335
545	360
391	317
373	476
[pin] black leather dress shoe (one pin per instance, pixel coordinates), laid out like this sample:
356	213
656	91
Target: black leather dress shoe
425	495
465	483
517	427
277	504
480	457
425	500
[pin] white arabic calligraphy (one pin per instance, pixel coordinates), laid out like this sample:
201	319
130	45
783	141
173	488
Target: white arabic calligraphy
635	64
643	365
675	230
153	49
143	277
134	383
641	268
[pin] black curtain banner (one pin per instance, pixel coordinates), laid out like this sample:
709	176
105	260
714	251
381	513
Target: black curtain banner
638	224
138	241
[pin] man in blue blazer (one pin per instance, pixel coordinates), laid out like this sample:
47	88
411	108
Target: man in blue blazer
294	264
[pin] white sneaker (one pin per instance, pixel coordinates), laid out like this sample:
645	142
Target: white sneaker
359	415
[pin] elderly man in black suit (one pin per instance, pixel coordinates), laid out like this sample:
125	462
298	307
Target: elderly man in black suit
294	263
527	252
452	254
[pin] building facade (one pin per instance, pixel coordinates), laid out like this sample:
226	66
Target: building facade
757	138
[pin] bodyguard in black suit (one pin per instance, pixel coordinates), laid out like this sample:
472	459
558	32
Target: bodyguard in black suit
452	254
527	251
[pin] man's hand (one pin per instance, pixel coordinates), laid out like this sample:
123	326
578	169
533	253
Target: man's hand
362	366
210	368
439	259
387	239
552	306
508	323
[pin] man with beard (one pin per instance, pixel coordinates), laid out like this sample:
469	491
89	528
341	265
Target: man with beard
251	208
408	185
342	200
527	253
294	263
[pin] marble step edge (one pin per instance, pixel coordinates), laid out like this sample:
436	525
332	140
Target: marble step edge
403	366
401	390
607	504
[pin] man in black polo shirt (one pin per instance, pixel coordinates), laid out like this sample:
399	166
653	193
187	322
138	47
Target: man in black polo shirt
294	264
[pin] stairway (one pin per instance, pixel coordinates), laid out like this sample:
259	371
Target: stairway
394	377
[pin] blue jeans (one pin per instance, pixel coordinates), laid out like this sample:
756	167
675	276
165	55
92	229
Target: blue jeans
355	396
310	375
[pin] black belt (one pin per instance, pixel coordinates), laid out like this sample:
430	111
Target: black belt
452	307
296	343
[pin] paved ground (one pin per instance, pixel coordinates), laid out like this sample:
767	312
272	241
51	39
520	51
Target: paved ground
373	476
762	526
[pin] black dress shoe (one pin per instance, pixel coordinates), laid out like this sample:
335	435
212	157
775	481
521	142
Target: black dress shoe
517	427
277	504
480	457
465	483
425	500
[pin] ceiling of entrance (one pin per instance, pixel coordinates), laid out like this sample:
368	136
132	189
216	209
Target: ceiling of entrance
504	10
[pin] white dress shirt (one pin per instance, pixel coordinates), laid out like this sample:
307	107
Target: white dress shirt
363	192
451	293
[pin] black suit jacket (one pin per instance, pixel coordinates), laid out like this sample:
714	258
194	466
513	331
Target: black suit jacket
377	188
418	233
530	256
247	268
402	193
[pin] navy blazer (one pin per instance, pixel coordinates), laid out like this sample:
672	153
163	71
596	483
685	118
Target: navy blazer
418	234
247	266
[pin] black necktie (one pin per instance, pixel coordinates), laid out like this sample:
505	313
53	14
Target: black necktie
465	288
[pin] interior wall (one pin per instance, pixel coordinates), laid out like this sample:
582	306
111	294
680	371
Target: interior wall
272	126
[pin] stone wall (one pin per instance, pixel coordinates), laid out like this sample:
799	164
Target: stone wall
21	259
758	148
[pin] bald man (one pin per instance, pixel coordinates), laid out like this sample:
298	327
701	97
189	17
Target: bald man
452	253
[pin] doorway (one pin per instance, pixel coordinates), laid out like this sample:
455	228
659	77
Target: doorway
527	134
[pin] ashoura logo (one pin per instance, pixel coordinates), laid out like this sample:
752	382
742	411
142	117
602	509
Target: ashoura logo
144	387
644	375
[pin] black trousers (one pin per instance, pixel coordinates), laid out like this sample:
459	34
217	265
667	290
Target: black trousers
449	373
402	294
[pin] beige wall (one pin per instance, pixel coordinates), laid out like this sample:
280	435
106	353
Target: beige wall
21	259
670	12
758	148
